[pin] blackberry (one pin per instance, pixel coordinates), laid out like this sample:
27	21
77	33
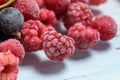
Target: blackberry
11	21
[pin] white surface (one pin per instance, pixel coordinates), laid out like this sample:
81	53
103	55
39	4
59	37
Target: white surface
102	62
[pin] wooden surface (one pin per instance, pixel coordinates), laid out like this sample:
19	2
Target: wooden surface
102	62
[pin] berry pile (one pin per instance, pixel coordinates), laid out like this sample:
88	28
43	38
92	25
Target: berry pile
30	25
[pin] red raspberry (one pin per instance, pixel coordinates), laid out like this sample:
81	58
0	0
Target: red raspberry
31	35
8	66
85	1
14	46
97	2
85	37
29	8
78	12
40	3
47	17
58	6
3	1
56	46
107	27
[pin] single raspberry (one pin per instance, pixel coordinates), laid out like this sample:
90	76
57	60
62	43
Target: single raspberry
31	35
97	2
85	37
40	3
47	17
9	65
107	27
85	1
78	12
58	6
29	8
56	46
14	46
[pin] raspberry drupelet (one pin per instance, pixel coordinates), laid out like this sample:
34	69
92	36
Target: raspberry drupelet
97	2
8	66
29	8
56	46
84	37
14	46
58	6
31	35
47	17
78	12
85	1
107	27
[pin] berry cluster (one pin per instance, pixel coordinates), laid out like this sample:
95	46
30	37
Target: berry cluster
30	25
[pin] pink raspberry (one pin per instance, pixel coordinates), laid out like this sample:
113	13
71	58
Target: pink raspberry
85	1
56	46
29	8
8	65
97	2
47	17
85	37
40	3
78	12
58	6
31	35
107	27
14	46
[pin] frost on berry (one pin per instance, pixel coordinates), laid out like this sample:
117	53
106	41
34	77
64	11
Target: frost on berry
31	35
58	6
14	46
84	37
8	66
56	46
47	17
97	2
77	12
107	27
29	8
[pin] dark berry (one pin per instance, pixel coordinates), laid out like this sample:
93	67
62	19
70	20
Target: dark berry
11	21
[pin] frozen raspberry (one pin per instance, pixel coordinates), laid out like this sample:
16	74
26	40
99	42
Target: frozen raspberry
85	37
56	46
107	27
97	2
58	6
47	17
78	12
9	66
85	1
31	35
14	46
29	8
40	3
